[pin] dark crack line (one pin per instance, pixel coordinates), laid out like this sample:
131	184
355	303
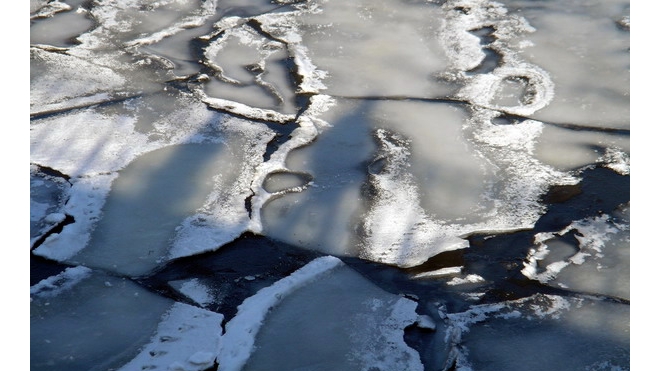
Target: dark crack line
504	114
55	229
64	110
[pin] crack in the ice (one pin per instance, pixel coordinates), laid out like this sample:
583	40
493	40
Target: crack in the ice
55	229
64	110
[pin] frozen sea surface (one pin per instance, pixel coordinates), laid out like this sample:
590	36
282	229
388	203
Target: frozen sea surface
330	185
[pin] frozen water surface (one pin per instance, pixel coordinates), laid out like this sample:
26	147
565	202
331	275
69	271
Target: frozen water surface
325	185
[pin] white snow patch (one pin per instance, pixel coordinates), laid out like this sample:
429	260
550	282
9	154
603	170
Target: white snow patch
617	160
470	278
53	286
187	339
195	290
439	272
85	200
425	322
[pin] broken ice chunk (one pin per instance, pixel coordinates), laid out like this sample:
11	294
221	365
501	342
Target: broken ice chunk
362	328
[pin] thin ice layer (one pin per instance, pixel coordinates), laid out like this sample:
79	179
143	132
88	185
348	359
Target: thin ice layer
363	328
568	148
321	215
60	81
547	332
60	29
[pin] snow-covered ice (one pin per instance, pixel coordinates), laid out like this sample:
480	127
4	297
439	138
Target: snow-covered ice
324	185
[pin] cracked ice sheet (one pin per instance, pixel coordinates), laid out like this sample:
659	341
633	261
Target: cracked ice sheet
138	231
114	136
599	266
85	320
592	79
542	332
469	174
281	324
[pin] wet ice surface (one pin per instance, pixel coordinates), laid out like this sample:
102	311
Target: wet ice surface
323	185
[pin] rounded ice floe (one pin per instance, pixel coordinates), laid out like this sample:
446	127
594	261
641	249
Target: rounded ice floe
482	90
138	231
93	144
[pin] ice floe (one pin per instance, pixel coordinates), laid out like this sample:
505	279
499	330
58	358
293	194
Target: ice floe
289	336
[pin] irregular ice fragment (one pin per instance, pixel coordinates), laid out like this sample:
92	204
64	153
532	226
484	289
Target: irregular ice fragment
600	265
546	331
238	341
362	329
193	289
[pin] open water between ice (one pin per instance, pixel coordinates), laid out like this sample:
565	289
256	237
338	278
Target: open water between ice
330	185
